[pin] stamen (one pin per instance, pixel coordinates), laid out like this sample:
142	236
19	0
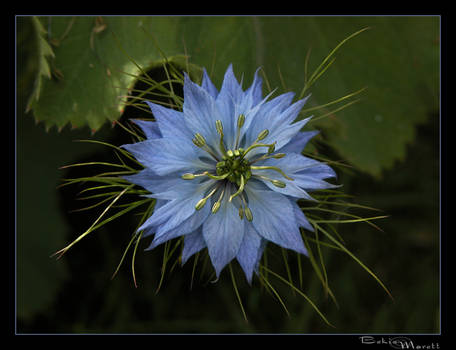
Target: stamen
248	214
267	156
199	140
265	167
240	124
217	204
275	182
255	145
241	212
262	135
219	127
203	201
239	191
246	211
190	176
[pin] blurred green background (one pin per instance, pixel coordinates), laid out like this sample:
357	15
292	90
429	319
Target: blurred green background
74	69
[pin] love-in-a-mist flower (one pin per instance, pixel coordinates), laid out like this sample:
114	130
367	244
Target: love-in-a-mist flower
227	172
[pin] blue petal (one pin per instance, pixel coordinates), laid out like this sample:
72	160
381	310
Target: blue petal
168	155
228	102
298	142
201	112
294	163
274	219
187	226
208	85
250	252
171	122
307	174
150	129
301	219
152	182
193	243
152	228
254	94
179	209
223	233
263	116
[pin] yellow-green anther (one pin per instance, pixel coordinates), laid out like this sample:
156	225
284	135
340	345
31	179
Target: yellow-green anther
279	183
262	135
278	155
240	121
201	203
217	204
219	126
271	148
236	153
216	207
248	214
256	145
199	140
265	167
230	153
188	176
241	212
239	191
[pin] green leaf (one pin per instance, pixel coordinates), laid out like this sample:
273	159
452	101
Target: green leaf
43	51
98	60
397	59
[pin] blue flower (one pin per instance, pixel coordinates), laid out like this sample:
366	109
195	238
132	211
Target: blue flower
227	172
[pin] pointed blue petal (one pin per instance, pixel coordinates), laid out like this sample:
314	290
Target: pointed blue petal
254	93
223	233
250	252
167	155
175	211
298	142
187	226
193	243
274	219
154	183
301	219
150	129
201	112
171	122
208	85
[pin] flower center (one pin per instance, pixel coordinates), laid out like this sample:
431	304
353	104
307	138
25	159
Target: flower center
235	167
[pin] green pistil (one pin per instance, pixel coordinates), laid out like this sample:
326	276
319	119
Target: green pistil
234	167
